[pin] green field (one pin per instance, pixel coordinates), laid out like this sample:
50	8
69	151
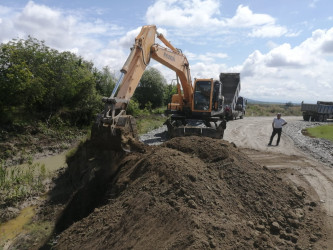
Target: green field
325	132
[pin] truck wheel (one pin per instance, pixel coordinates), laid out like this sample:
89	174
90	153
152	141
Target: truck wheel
321	118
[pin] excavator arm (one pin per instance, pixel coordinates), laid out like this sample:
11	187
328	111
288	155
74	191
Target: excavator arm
142	51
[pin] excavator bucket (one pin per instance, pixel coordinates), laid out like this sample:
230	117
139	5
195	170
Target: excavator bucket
216	132
115	134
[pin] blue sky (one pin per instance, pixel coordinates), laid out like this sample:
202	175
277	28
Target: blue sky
283	49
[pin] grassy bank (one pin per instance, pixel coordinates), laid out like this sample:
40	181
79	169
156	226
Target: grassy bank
17	183
325	132
147	123
146	119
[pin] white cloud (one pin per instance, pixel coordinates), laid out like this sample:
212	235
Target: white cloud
187	13
292	73
4	10
268	31
271	45
246	18
313	3
127	41
208	57
204	17
57	28
293	34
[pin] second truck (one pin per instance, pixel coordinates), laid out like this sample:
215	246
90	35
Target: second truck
317	112
201	102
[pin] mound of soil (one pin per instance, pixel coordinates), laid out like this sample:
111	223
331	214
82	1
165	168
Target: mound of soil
188	193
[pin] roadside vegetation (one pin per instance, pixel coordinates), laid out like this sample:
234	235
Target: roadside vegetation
325	132
287	109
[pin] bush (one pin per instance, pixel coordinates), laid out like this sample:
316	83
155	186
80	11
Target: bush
133	108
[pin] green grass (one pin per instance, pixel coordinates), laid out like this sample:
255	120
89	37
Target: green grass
21	182
147	123
325	132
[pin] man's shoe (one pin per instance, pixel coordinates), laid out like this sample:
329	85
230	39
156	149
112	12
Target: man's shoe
277	144
269	144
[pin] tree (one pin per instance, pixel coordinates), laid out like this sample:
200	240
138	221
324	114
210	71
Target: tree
289	105
151	88
35	77
169	91
105	81
20	83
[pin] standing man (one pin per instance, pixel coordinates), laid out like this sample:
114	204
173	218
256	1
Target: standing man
277	129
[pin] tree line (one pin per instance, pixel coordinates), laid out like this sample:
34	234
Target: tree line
44	82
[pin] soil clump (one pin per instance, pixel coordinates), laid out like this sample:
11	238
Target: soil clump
188	193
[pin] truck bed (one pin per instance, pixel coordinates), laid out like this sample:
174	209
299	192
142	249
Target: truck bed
309	107
230	88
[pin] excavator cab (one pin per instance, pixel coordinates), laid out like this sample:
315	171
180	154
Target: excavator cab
207	97
202	96
205	118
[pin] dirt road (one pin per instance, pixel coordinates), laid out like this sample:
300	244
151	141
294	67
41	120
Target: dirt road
252	135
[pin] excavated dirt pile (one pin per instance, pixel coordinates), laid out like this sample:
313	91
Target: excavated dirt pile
188	193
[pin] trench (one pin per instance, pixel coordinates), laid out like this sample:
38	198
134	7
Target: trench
90	171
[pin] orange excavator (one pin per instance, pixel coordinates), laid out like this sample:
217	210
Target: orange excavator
195	110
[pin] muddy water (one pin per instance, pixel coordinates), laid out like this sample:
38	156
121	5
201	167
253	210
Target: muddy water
53	163
12	228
